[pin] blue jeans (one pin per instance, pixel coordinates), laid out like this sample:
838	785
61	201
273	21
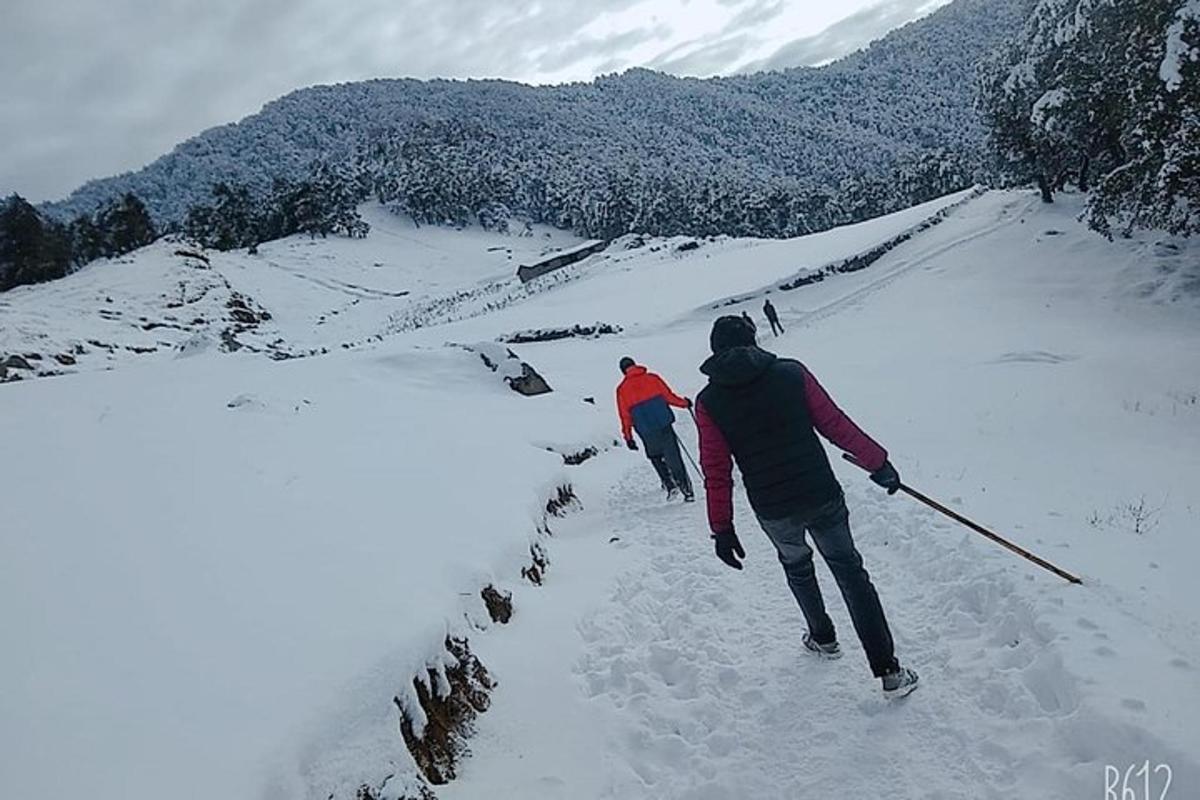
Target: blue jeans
829	527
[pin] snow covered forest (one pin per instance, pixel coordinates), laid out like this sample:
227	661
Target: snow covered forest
1096	94
772	154
1104	95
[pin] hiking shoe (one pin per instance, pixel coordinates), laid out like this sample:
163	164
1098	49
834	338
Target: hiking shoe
830	651
900	683
672	492
689	497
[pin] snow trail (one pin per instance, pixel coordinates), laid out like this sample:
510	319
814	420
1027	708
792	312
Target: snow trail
714	696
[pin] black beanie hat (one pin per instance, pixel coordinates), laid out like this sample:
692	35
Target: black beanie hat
626	363
730	332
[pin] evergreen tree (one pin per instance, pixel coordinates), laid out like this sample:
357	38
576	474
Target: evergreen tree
87	240
32	250
1106	94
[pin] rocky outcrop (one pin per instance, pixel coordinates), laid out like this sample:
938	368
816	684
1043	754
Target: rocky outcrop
499	604
450	698
519	376
564	500
538	562
553	334
16	362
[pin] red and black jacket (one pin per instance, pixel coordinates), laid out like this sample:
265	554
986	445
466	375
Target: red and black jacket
765	412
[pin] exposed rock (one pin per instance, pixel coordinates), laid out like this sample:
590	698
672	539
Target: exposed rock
33	356
66	359
536	571
365	792
193	254
243	311
243	315
563	500
553	334
580	456
519	376
229	342
529	382
462	692
499	604
16	362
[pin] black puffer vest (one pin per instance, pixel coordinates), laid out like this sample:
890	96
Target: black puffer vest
758	402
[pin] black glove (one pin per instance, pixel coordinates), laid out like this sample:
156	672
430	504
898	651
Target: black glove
887	477
727	545
631	444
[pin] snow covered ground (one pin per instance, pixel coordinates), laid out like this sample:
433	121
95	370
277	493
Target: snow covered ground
218	570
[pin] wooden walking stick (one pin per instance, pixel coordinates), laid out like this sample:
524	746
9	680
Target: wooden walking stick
995	537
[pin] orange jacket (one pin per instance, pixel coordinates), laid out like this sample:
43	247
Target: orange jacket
642	398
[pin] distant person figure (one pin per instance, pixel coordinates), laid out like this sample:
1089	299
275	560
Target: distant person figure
644	403
772	317
765	412
749	321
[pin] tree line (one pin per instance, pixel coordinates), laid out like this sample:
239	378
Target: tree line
35	248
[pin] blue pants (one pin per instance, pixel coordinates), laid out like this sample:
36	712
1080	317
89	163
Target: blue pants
829	527
662	448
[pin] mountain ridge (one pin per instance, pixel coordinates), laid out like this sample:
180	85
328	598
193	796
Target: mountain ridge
903	104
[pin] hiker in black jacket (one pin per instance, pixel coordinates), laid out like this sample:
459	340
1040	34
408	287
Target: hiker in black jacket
772	317
765	412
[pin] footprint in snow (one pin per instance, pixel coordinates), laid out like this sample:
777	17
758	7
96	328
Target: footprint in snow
1034	357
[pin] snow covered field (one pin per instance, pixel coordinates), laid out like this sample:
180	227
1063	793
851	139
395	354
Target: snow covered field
217	571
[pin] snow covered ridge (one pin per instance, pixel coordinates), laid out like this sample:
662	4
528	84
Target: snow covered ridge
867	258
438	715
296	297
82	323
640	151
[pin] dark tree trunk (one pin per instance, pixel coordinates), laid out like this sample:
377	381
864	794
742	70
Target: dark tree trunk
1084	176
1044	186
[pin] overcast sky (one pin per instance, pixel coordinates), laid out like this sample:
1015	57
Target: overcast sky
90	88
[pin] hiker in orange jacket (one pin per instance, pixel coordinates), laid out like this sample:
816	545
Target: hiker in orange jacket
644	403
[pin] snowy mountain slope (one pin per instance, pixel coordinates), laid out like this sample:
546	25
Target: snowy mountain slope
318	294
570	154
245	561
327	294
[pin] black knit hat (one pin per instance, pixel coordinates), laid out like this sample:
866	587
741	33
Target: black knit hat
626	363
730	332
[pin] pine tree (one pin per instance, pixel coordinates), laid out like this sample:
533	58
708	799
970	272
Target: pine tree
1104	93
32	250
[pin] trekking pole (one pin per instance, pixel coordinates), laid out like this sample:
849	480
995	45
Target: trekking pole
695	467
959	518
